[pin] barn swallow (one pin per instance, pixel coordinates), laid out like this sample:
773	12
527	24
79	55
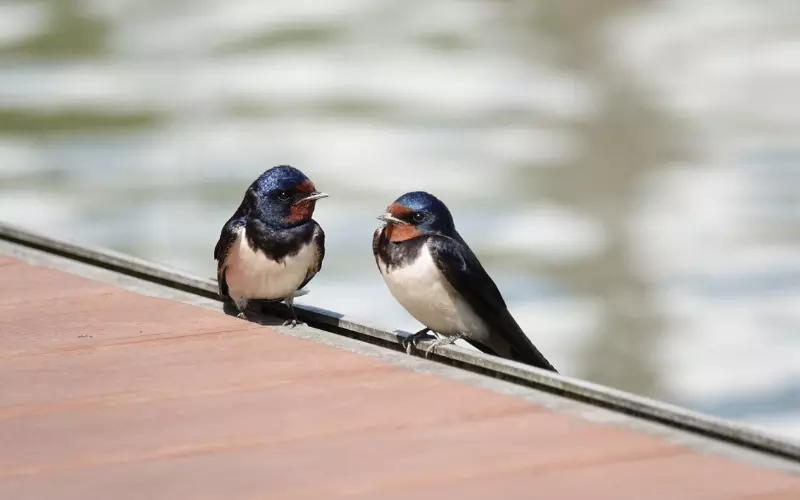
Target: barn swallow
436	277
271	247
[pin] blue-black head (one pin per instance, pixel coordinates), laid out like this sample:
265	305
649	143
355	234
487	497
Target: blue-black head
416	214
282	195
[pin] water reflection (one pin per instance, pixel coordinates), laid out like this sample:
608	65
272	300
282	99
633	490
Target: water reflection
626	169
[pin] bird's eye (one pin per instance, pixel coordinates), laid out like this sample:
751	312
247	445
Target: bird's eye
283	196
418	217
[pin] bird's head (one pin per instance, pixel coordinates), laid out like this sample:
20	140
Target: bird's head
283	196
416	214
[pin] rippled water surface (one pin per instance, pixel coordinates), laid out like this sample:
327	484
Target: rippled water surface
628	171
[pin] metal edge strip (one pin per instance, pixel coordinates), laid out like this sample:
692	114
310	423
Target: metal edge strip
576	389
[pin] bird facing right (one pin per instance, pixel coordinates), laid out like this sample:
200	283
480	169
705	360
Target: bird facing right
431	271
271	247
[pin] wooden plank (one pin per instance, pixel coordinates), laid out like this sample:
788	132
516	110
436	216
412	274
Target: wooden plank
151	278
105	393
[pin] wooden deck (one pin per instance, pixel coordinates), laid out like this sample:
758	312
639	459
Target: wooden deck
106	393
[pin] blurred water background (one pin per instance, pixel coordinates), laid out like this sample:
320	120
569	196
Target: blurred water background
627	170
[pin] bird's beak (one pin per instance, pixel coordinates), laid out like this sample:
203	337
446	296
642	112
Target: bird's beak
316	195
391	219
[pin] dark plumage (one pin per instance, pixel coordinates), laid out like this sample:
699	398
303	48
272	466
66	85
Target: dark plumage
271	247
434	274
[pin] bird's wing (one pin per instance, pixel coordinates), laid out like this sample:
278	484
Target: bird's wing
226	239
318	241
376	243
466	275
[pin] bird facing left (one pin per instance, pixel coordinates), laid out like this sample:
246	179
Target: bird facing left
271	247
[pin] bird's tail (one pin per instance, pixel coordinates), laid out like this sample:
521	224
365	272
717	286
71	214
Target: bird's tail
300	292
524	353
532	356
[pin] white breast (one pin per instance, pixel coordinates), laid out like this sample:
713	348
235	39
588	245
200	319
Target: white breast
251	275
424	292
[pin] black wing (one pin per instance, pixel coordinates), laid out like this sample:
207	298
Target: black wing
465	274
318	240
226	239
376	245
228	235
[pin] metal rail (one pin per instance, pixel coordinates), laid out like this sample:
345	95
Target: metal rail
587	392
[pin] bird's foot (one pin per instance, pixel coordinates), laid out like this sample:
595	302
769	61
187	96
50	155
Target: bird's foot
440	342
291	323
411	340
239	305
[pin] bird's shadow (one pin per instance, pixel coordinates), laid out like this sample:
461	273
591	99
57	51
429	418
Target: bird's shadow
257	312
275	313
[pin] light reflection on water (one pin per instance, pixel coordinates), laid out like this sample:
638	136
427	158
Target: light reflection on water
628	173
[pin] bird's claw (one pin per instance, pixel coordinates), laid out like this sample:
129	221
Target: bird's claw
241	315
440	342
411	341
291	323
